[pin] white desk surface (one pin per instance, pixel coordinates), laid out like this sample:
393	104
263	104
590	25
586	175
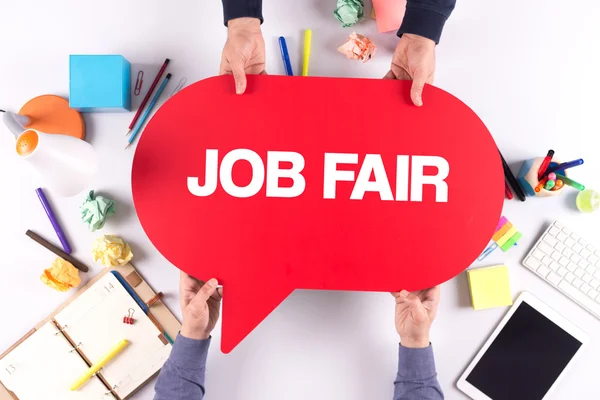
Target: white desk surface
529	69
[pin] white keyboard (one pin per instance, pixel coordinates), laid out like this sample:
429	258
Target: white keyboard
568	263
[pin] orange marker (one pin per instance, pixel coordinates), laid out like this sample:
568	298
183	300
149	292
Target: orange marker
559	184
541	185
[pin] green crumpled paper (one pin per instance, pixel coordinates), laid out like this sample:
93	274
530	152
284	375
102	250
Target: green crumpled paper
349	12
95	210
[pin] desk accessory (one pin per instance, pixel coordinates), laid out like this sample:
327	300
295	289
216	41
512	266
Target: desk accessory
80	266
99	83
588	201
139	83
105	359
507	193
148	95
545	164
489	287
569	263
146	114
53	220
66	163
526	356
512	181
61	348
532	186
285	56
505	236
306	53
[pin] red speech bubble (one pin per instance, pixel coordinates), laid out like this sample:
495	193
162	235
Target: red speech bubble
315	183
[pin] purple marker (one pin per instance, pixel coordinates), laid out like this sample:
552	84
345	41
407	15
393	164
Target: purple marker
53	221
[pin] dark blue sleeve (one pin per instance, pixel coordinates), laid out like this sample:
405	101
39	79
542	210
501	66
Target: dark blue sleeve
426	18
182	376
242	8
417	379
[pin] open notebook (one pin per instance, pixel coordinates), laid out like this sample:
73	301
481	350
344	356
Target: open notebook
47	362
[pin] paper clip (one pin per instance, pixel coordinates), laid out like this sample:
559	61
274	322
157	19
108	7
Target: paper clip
179	86
487	251
128	319
138	83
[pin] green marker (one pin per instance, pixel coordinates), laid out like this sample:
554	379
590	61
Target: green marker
570	182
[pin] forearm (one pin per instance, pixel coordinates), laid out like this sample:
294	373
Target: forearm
233	9
182	376
417	378
426	18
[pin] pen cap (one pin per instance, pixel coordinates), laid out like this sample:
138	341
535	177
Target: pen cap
66	163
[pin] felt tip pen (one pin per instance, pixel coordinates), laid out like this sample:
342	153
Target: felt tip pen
541	185
570	182
545	163
565	165
507	191
285	56
54	221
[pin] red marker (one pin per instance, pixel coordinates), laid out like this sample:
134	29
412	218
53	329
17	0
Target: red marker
507	191
545	164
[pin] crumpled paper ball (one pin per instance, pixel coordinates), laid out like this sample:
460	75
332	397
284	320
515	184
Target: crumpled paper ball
61	276
95	210
349	12
111	251
358	47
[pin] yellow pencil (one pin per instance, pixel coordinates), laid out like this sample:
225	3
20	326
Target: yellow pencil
101	363
307	41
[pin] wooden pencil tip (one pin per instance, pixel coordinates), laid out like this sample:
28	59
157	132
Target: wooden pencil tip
128	132
127	145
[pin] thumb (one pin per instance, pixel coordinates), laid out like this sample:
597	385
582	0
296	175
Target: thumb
416	91
199	301
239	75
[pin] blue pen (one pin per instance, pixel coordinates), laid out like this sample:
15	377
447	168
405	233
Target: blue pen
142	120
563	166
285	56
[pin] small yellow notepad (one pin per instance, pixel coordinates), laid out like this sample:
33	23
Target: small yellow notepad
490	287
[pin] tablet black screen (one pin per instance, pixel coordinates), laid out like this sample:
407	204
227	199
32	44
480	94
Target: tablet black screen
525	358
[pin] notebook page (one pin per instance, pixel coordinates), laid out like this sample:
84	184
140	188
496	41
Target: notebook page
43	368
96	320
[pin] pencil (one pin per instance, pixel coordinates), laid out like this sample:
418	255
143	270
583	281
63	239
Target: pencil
147	97
511	179
57	251
307	45
144	117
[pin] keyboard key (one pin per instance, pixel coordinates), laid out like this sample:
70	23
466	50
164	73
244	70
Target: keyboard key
580	297
537	253
590	269
579	272
562	272
553	231
569	242
592	294
553	278
567	230
575	236
544	247
597	274
582	242
560	247
577	248
583	263
555	256
585	288
575	258
543	271
577	283
532	263
564	261
554	266
586	278
590	248
562	236
546	260
594	283
597	253
571	267
558	224
585	253
550	240
569	277
593	259
567	252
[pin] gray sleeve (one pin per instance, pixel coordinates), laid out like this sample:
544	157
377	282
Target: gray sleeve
182	376
417	379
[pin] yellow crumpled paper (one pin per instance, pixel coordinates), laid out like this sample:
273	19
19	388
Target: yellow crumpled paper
111	251
61	276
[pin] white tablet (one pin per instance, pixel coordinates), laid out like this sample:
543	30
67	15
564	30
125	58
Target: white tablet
526	356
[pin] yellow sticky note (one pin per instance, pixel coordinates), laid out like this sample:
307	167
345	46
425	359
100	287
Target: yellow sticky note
490	287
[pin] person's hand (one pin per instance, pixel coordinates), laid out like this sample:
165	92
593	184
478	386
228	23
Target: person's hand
200	305
414	59
244	51
414	314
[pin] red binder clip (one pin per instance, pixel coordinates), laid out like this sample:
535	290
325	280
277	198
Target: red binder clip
128	319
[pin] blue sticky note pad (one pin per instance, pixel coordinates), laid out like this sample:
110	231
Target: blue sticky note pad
99	83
